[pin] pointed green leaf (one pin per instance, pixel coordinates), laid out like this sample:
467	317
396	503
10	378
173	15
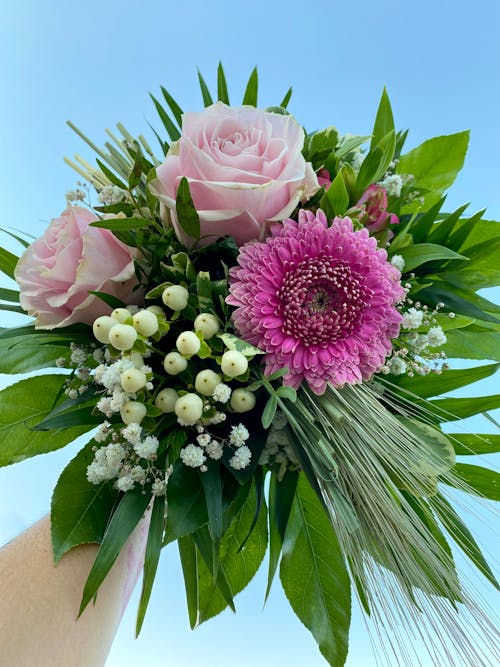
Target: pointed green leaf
462	536
212	486
186	213
112	177
187	508
28	353
207	98
434	385
9	295
222	93
151	558
79	510
314	576
451	409
232	342
416	255
168	124
475	443
22	406
482	481
269	411
384	121
174	107
189	563
335	201
286	99
251	91
128	514
8	262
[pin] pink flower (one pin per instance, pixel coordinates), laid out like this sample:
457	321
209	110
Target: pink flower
57	271
319	300
244	167
373	205
324	178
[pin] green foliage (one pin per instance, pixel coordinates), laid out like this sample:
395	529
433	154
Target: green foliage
8	262
222	93
474	443
384	121
481	481
22	354
79	509
335	201
448	380
23	405
314	575
251	91
416	255
186	213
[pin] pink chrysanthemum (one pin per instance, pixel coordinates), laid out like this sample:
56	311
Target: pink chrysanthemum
319	300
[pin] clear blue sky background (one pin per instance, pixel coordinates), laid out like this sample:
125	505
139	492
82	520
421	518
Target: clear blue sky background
94	62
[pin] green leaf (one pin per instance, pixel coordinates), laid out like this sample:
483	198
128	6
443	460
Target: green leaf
23	405
482	481
281	495
204	291
9	295
384	121
463	537
137	168
174	107
207	98
335	201
212	486
109	299
23	354
269	411
122	224
189	562
22	241
79	510
12	308
451	409
376	163
186	213
239	565
319	145
435	164
475	443
222	93
111	176
286	99
152	557
128	514
464	302
416	255
232	342
187	508
168	124
314	575
251	91
435	455
8	262
434	385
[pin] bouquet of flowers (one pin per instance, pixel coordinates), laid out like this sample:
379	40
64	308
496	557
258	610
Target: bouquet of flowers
253	322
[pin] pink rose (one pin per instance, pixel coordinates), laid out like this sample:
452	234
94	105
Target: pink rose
244	166
57	271
373	205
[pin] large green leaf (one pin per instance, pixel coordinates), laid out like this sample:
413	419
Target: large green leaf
384	121
482	481
189	562
448	380
79	510
314	576
8	262
29	353
435	163
463	344
251	91
239	565
23	405
466	444
186	213
187	508
128	514
416	255
451	409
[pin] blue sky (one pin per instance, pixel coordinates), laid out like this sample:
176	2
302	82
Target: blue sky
95	62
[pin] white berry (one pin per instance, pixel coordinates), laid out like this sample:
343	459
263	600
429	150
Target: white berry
242	400
122	336
188	343
133	412
132	380
145	322
206	381
166	400
234	363
157	310
207	324
175	297
189	408
121	315
101	328
174	363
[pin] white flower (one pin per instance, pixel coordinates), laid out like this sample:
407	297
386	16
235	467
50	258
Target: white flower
78	354
104	405
398	262
436	337
102	432
115	453
412	319
203	439
138	474
147	448
125	483
392	184
193	456
132	433
96	473
397	366
214	449
222	393
241	458
159	487
118	399
111	194
239	435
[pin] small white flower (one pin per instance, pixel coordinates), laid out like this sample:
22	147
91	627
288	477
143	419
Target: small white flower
102	432
118	399
104	405
436	337
125	483
60	362
398	262
138	474
111	194
78	355
397	366
192	456
239	435
412	319
115	453
241	458
214	449
222	393
392	184
159	487
132	433
147	448
203	439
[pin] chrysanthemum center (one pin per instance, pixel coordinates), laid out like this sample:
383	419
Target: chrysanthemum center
322	300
